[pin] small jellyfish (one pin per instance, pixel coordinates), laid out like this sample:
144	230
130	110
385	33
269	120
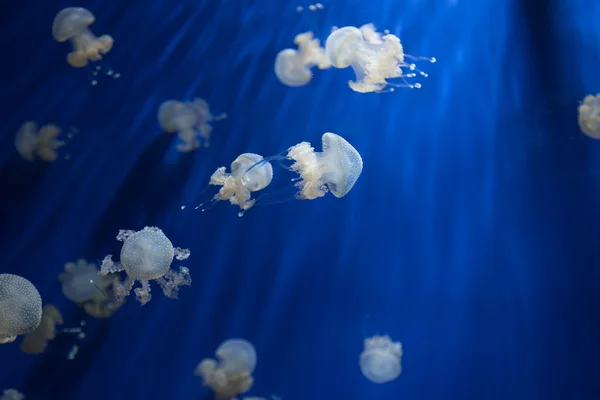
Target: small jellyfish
380	359
12	394
35	342
373	57
292	67
31	142
72	24
147	255
230	374
589	116
190	120
21	310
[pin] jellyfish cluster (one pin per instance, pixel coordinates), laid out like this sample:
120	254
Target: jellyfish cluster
32	142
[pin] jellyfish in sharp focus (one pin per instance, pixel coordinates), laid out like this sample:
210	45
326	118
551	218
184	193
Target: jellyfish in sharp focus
588	116
72	24
292	67
43	143
21	310
147	255
380	359
35	342
375	58
12	394
230	374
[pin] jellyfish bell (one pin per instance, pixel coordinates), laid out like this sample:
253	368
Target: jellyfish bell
588	116
236	356
380	360
293	67
21	310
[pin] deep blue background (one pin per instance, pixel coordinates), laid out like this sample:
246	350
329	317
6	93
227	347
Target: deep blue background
472	235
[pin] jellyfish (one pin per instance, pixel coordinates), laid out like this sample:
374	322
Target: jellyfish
147	255
35	342
589	116
191	120
292	67
72	24
380	359
373	57
230	374
21	310
12	394
31	142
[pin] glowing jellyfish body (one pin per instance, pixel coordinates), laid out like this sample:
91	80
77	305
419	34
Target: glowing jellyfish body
380	359
230	373
12	394
147	255
190	120
72	24
35	342
375	58
31	142
292	67
588	116
20	307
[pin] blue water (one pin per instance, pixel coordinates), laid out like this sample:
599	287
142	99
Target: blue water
471	236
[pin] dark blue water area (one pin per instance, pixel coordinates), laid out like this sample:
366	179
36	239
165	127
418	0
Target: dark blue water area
472	235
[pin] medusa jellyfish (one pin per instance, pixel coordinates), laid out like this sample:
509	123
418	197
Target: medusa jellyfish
147	255
35	342
20	307
589	116
380	359
12	394
230	373
72	24
43	143
292	67
375	58
191	120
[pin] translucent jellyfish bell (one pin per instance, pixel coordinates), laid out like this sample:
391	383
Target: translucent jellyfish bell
72	24
43	143
380	359
236	356
373	57
81	281
147	255
292	67
21	307
12	394
589	116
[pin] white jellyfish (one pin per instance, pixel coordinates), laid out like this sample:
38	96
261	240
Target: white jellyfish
21	307
292	67
375	58
190	120
72	24
35	342
380	359
230	373
43	143
12	394
589	116
147	255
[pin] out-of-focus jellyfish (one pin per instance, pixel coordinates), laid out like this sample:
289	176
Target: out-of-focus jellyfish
35	342
72	24
230	374
21	310
82	284
190	120
147	255
375	58
43	143
380	359
12	394
292	67
589	116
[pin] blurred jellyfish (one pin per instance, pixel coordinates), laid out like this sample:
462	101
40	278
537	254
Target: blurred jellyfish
82	284
230	373
72	24
373	57
147	255
35	342
589	116
380	359
43	143
21	310
12	394
292	67
190	120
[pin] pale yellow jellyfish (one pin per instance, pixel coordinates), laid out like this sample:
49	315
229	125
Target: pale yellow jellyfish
380	359
292	67
230	374
147	255
20	307
43	143
35	342
12	394
375	58
589	116
190	120
72	24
